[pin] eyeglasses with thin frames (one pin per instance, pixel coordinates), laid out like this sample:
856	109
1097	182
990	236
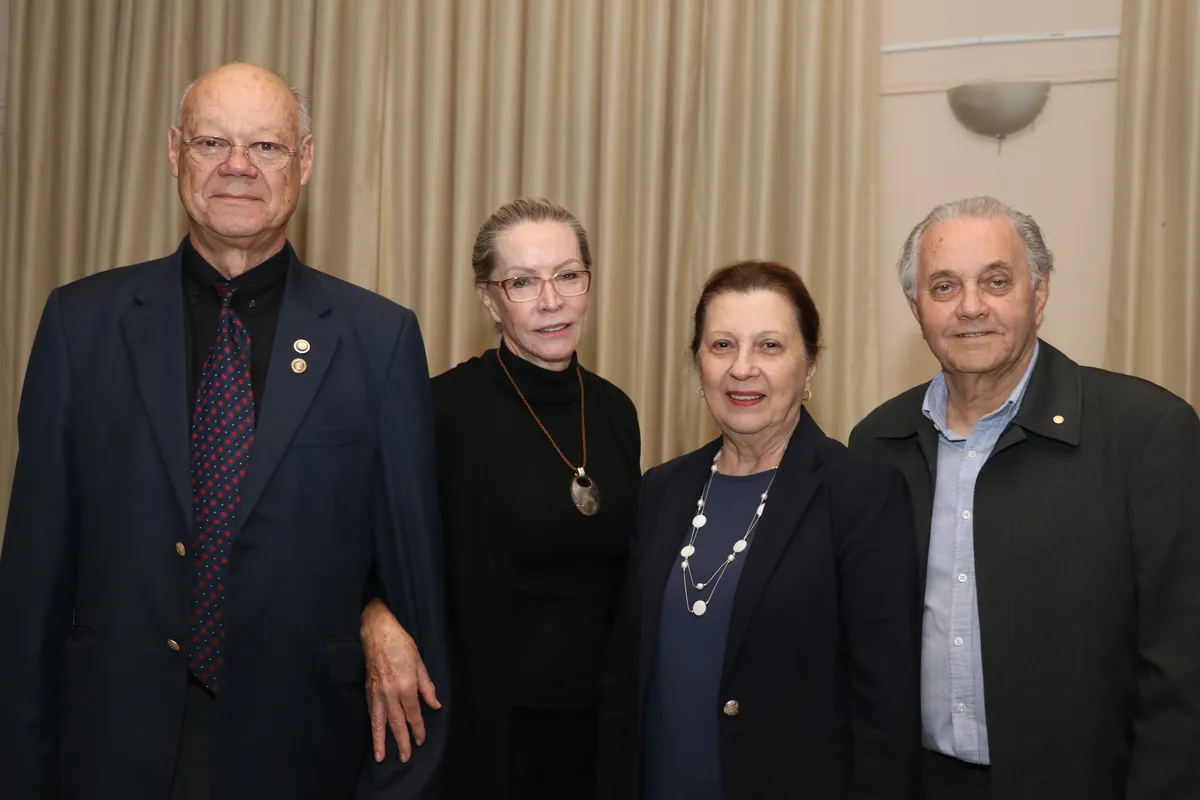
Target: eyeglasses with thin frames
210	150
523	288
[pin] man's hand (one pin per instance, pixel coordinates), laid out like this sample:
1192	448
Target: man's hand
396	680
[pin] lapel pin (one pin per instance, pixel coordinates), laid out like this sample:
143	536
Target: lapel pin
299	365
1058	419
301	346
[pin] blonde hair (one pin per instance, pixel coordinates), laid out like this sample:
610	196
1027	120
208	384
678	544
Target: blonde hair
512	214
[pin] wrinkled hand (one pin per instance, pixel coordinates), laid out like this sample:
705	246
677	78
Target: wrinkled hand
396	681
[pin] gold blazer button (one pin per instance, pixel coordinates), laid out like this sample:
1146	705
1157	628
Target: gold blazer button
179	548
299	365
731	708
174	645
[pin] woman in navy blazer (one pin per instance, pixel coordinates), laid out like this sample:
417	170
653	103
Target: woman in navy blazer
769	642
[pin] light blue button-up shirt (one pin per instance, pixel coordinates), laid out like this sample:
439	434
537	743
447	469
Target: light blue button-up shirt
953	719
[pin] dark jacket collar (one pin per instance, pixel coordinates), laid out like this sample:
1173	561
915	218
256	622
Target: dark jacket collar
1054	393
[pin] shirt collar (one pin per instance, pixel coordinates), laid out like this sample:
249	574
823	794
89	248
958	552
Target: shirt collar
251	284
937	398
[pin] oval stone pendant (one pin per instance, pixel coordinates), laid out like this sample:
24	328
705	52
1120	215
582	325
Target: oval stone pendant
699	607
585	494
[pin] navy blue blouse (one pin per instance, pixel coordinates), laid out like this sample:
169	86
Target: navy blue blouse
682	707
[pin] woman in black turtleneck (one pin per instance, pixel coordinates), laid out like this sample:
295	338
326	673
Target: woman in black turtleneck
535	546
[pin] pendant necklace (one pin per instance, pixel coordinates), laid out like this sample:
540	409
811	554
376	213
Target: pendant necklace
584	492
699	521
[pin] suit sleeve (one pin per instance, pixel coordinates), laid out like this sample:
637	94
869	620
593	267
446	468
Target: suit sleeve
1164	512
619	686
878	587
36	578
408	551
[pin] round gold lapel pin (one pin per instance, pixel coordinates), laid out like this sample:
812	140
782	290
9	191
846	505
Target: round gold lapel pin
301	346
299	365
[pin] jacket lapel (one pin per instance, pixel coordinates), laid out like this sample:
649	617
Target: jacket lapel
793	490
927	441
1053	403
153	333
660	557
288	394
905	429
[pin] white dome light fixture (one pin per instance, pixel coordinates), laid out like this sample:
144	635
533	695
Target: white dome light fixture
998	109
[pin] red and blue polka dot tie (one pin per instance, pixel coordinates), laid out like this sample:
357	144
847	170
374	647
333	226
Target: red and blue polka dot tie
222	434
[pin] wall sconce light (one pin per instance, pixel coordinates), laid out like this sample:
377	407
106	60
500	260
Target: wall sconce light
998	109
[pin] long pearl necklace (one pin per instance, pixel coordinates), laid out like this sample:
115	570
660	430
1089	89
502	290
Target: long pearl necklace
699	521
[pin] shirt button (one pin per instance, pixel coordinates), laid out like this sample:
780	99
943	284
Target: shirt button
961	708
966	515
970	454
962	577
958	641
251	304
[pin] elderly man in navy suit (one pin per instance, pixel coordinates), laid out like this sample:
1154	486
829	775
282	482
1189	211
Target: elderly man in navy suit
224	454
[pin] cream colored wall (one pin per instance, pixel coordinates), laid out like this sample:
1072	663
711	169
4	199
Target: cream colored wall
1060	170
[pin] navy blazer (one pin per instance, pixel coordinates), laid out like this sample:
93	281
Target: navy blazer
94	593
823	649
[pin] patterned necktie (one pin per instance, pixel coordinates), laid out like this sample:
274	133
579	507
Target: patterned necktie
222	434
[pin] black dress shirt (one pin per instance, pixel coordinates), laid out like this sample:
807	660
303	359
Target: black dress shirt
257	301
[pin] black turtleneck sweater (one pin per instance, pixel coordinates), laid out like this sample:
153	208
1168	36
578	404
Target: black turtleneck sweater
505	492
257	300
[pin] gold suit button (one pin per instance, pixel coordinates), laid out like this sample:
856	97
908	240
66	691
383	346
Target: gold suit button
179	548
174	645
731	708
299	365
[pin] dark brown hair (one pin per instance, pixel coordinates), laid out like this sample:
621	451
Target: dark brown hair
512	214
743	277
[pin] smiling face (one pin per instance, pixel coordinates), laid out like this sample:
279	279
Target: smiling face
976	302
545	331
753	366
234	203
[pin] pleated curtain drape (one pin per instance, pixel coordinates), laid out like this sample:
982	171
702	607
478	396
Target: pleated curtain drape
683	133
1154	305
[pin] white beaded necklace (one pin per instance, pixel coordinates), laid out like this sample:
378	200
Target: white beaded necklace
699	521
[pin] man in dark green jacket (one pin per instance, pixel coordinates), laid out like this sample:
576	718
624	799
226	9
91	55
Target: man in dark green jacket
1058	535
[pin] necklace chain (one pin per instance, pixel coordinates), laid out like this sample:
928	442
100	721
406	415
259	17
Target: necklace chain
689	550
582	416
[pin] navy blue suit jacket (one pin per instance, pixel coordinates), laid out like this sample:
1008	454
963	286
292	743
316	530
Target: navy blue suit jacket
823	648
92	585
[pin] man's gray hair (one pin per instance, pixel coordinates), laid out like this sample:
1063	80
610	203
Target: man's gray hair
1037	255
303	122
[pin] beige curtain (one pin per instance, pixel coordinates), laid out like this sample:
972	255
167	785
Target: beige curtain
684	133
1154	316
